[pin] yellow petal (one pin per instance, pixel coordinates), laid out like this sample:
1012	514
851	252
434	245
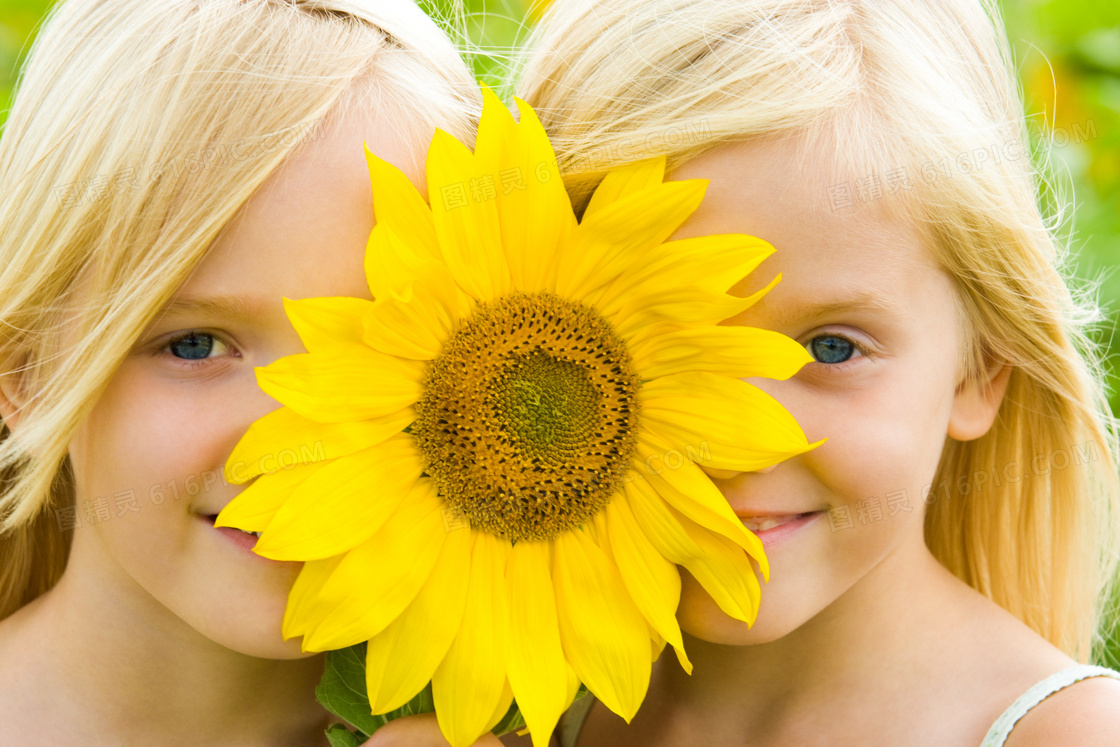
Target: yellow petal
622	182
657	523
724	570
712	264
425	286
741	352
536	659
415	330
324	323
284	437
687	544
744	428
401	659
621	234
573	683
391	264
675	477
470	682
468	229
304	594
407	330
253	508
379	578
344	503
604	635
504	702
653	582
360	384
533	207
683	306
659	646
397	204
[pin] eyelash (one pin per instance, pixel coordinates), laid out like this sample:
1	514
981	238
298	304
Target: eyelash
192	364
199	362
837	367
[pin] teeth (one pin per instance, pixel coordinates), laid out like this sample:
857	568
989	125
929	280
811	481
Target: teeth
761	525
255	534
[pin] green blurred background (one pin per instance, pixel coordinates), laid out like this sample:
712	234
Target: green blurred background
1068	58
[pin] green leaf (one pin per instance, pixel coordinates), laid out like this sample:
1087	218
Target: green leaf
340	736
512	721
342	691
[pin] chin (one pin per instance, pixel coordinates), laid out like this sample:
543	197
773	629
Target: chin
701	618
253	630
263	644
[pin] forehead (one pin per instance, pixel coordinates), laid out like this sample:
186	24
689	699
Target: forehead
303	233
780	191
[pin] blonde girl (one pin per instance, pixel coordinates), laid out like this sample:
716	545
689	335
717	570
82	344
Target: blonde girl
169	172
941	564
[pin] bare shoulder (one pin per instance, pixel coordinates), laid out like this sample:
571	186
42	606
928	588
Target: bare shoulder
25	717
1086	713
997	658
14	706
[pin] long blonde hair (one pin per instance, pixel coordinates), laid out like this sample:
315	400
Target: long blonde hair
921	97
138	131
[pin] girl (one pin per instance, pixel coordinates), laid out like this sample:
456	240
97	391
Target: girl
940	565
168	173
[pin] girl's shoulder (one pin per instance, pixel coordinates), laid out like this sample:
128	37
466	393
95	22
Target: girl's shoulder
1038	695
34	707
1076	705
17	688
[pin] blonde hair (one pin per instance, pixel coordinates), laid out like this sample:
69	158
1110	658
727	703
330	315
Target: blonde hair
138	131
925	91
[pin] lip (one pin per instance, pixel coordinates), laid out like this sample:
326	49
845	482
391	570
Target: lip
776	534
242	540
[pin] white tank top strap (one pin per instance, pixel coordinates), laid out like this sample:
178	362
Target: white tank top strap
1028	700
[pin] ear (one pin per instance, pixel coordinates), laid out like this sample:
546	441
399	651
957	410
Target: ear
11	398
976	403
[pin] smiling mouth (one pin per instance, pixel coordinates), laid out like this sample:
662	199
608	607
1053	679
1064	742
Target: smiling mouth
213	517
761	524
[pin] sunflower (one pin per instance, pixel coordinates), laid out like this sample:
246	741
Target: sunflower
494	465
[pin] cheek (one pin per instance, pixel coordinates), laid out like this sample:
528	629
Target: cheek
131	459
885	439
166	443
159	439
807	575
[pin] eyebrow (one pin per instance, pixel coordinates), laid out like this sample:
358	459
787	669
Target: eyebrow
226	306
814	311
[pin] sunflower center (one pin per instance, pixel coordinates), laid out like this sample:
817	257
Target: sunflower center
528	416
548	407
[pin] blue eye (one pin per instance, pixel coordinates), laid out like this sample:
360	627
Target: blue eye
195	346
831	349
